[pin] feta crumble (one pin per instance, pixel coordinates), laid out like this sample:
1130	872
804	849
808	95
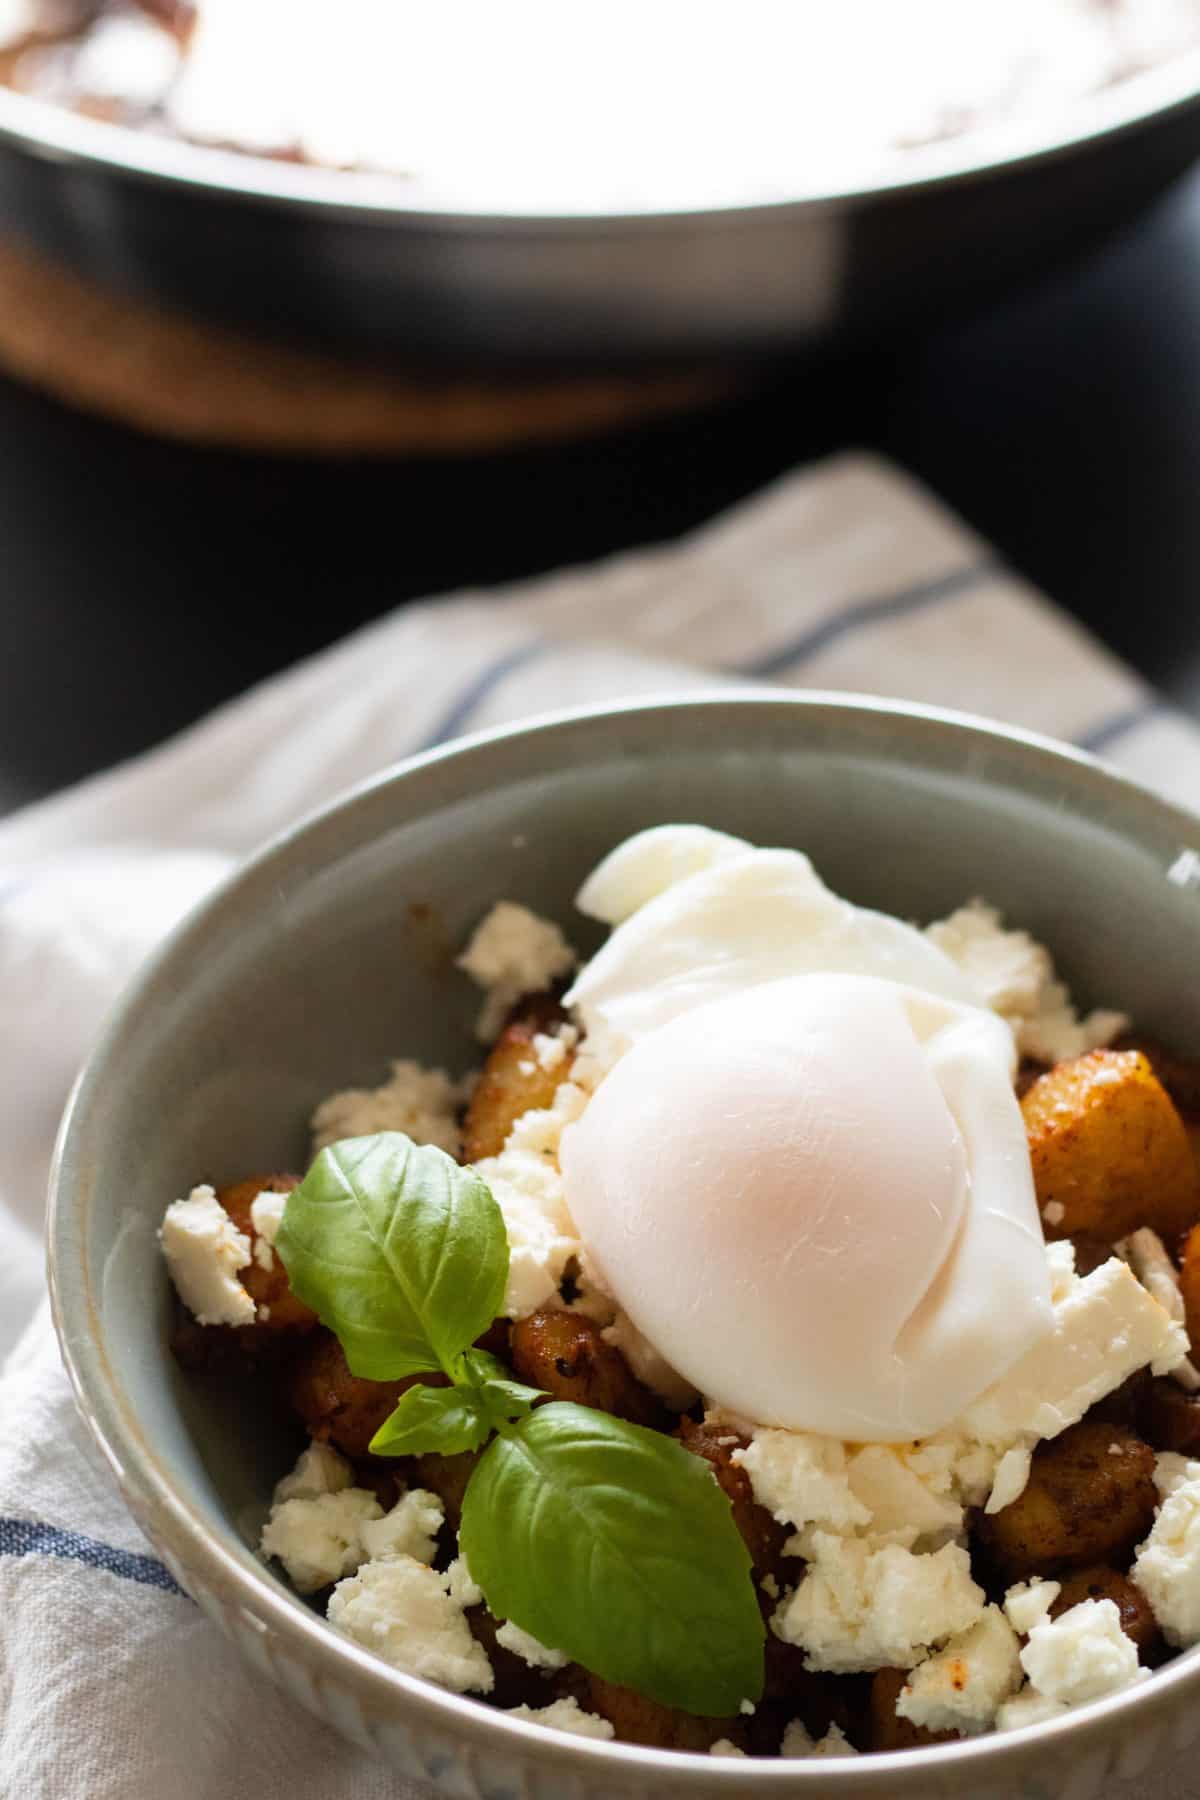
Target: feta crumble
423	1103
513	952
204	1252
318	1538
409	1529
1028	1708
1167	1565
565	1715
725	1747
266	1216
651	1369
527	1187
798	1741
864	1607
406	1613
1015	976
1082	1655
552	1050
801	1478
962	1687
527	1647
319	1470
1029	1602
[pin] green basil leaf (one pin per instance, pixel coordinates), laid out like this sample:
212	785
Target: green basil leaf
400	1251
427	1418
615	1544
502	1398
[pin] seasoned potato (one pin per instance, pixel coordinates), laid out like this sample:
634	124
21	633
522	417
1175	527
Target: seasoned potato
1109	1150
638	1720
1099	1582
337	1406
1180	1077
513	1081
763	1534
1090	1498
1170	1419
886	1730
565	1354
278	1307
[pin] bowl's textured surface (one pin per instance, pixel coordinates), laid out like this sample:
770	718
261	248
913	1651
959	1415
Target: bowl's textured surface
332	952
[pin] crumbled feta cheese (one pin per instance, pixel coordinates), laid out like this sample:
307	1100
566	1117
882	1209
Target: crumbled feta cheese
527	1187
1054	1212
653	1370
409	1529
1028	1708
1014	975
962	1686
862	1607
1081	1655
1012	1478
801	1479
725	1747
1029	1602
1147	1256
899	1502
423	1103
266	1216
204	1251
1167	1565
1060	1261
1105	1327
513	952
552	1050
527	1647
318	1538
565	1715
462	1587
405	1612
319	1470
798	1741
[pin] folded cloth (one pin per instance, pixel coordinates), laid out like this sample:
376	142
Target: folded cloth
112	1686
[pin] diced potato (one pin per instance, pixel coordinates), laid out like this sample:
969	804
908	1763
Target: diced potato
1109	1150
1099	1582
764	1535
638	1720
1089	1499
886	1730
278	1307
513	1081
338	1407
565	1354
1170	1419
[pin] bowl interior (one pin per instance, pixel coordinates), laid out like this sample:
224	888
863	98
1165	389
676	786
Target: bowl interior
333	953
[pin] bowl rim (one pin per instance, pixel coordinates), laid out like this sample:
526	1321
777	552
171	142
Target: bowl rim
56	135
263	1597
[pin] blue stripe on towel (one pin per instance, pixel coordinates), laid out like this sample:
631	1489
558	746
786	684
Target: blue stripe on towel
1118	725
870	611
459	712
28	1537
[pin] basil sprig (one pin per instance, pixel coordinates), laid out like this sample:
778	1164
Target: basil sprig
604	1540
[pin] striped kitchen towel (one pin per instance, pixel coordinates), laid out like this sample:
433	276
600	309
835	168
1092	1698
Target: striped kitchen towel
112	1686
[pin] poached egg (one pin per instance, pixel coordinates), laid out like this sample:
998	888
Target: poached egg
805	1176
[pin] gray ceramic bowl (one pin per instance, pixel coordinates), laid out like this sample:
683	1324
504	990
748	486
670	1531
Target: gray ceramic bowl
332	951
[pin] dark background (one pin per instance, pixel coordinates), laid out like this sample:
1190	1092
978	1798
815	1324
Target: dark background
145	582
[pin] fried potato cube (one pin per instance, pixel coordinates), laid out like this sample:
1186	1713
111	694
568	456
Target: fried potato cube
512	1080
1109	1150
340	1408
565	1354
886	1730
763	1534
1170	1419
278	1307
1089	1499
639	1720
1100	1582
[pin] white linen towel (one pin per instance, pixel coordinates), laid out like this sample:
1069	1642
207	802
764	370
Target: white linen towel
112	1686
